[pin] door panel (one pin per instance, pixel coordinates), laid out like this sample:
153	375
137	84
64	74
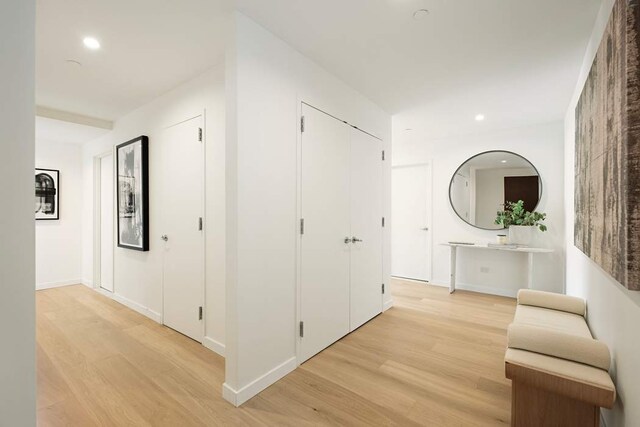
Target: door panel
525	188
324	262
182	208
409	239
106	223
366	225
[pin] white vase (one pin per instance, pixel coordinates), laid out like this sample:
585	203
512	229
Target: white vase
524	235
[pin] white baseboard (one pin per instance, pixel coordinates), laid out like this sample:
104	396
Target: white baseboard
88	283
213	345
511	293
487	290
237	398
387	305
49	285
155	316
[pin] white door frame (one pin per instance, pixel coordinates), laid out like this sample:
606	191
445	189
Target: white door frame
97	221
203	116
429	210
298	346
296	226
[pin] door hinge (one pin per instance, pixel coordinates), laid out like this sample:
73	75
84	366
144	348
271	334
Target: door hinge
200	224
301	226
200	134
301	329
383	221
383	155
302	124
383	288
200	313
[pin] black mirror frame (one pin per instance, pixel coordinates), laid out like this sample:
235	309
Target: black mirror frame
488	152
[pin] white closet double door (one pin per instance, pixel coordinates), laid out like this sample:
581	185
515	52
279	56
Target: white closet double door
341	231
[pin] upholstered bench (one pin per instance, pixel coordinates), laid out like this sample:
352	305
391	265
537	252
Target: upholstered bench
559	372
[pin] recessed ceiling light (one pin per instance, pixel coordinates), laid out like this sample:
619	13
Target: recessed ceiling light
420	14
480	117
91	43
503	161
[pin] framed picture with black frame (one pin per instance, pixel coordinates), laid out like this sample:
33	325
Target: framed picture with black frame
47	194
132	193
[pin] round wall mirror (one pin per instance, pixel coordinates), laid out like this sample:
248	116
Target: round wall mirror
486	182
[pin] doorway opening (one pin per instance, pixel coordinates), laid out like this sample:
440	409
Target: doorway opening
411	234
104	216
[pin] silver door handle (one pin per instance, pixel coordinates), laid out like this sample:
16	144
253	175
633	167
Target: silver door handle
347	240
164	237
425	229
355	239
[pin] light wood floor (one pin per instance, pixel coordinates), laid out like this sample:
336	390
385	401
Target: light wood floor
434	359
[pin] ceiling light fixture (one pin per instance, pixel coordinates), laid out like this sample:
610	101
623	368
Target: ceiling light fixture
479	117
91	43
420	14
503	161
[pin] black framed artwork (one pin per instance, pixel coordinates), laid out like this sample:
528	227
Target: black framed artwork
47	194
132	183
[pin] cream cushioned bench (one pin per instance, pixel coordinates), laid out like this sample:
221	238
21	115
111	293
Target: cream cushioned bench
559	372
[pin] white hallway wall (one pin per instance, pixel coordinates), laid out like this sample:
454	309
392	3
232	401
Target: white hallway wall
543	146
59	243
138	275
613	311
17	232
266	79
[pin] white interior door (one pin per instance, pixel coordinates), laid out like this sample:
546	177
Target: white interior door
410	257
182	229
106	222
324	254
366	228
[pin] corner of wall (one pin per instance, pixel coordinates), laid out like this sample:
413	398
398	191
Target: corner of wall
238	397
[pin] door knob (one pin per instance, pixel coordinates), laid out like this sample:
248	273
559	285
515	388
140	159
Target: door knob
426	229
347	240
164	237
355	239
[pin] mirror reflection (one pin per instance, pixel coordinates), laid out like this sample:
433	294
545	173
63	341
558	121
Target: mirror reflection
483	184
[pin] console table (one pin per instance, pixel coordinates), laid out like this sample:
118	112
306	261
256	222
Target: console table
526	250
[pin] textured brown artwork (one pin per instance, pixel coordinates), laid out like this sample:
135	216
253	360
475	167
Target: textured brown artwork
607	187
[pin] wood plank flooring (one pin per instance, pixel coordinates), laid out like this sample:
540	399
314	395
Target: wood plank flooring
433	359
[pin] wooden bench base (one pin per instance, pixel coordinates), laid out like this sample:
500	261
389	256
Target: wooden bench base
535	407
542	399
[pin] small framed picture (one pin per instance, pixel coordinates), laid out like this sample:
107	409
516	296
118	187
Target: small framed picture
132	184
47	194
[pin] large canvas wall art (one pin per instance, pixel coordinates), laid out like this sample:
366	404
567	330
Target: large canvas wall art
47	194
607	159
132	162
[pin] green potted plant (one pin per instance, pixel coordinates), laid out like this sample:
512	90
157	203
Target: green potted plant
520	222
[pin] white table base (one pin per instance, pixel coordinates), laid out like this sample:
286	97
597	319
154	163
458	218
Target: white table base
529	251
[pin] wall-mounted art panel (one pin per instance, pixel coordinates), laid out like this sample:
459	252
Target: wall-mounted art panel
47	194
132	161
607	186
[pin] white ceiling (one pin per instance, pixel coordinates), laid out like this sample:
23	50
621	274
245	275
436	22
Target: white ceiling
51	130
516	61
148	48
